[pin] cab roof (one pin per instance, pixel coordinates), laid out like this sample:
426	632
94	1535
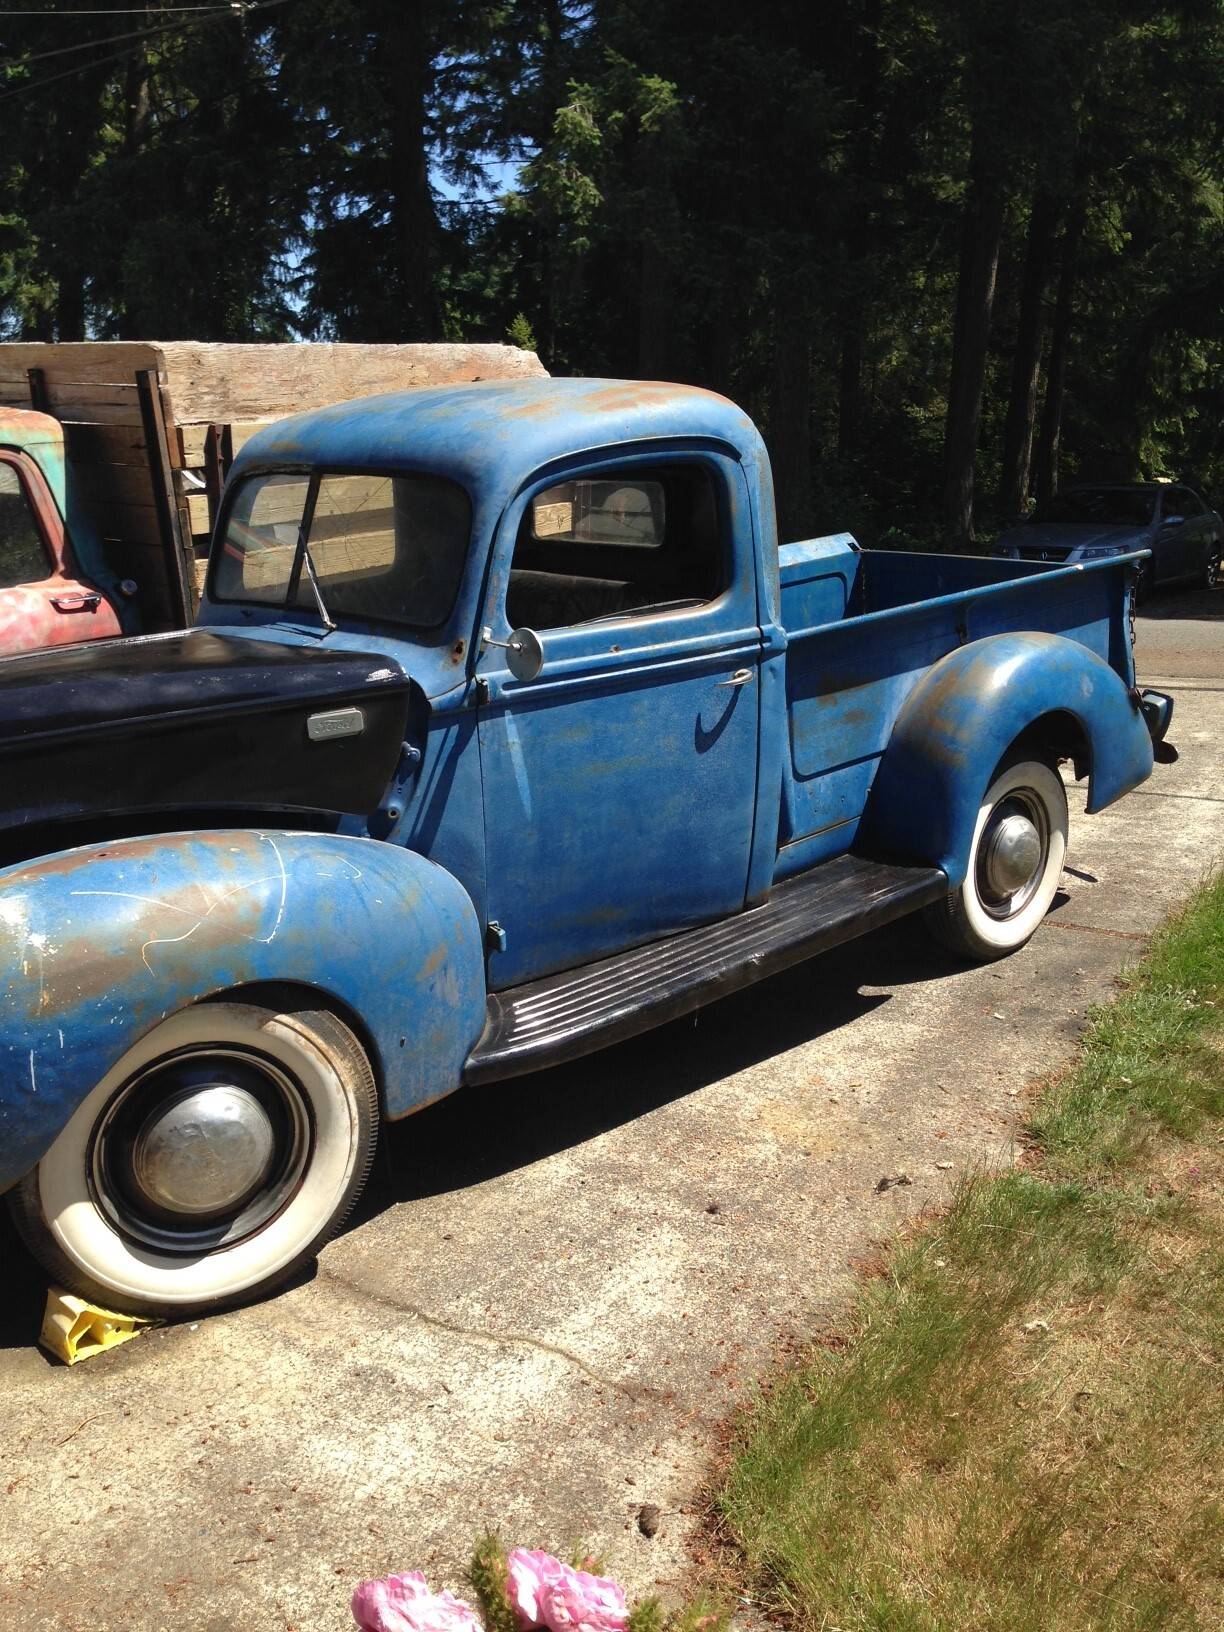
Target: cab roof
490	435
24	428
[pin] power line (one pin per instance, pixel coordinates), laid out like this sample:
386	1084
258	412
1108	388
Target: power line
112	39
129	50
121	11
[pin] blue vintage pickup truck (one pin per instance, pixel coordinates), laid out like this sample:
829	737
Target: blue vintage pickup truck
507	730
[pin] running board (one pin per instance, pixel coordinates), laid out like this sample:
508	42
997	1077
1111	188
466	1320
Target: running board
563	1016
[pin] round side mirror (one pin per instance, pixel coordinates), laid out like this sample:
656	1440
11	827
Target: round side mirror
524	654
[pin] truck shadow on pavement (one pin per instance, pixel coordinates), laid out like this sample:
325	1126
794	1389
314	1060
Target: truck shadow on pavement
482	1132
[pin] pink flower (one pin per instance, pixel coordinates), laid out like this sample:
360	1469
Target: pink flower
404	1603
547	1593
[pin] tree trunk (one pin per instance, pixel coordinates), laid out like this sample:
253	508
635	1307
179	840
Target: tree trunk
137	110
860	234
1030	332
850	378
983	229
654	311
790	443
70	293
408	59
1050	435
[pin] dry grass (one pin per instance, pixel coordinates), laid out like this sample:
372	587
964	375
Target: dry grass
1026	1430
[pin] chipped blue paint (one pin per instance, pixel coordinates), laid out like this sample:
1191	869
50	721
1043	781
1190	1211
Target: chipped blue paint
101	943
960	719
623	794
861	644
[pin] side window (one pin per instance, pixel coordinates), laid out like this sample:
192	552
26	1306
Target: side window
23	559
628	545
1187	503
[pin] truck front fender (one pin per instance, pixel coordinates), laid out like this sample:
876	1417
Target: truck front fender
99	944
968	710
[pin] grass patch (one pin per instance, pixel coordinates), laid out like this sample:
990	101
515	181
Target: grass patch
1024	1428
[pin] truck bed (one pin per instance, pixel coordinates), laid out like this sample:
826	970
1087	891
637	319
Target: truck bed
863	626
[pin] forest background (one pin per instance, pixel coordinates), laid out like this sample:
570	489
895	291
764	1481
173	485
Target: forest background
946	252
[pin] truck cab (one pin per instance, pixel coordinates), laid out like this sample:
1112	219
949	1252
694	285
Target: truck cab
506	730
54	587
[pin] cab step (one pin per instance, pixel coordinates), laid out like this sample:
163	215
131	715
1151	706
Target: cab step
561	1017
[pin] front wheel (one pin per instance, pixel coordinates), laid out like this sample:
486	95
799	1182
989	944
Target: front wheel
1015	861
214	1160
1211	568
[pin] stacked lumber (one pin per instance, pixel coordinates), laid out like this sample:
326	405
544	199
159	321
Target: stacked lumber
150	428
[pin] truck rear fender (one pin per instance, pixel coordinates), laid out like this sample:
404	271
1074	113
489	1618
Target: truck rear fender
97	945
971	710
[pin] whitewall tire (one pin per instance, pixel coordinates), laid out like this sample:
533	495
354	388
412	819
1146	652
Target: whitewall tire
215	1159
1015	861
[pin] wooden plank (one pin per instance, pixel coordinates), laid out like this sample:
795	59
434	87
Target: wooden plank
197	510
106	445
218	457
80	394
36	383
193	437
174	525
120	484
253	382
133	522
84	359
100	413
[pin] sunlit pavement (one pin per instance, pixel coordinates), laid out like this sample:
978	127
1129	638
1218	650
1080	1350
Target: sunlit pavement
556	1289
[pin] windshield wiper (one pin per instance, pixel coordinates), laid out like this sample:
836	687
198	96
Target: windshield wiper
308	563
303	558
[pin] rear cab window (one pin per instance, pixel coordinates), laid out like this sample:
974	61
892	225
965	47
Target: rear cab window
385	548
629	544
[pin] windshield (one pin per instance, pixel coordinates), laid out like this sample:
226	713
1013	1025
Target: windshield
1102	506
387	548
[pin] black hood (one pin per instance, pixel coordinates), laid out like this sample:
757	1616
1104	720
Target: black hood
196	721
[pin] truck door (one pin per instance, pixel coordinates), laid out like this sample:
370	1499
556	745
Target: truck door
42	600
1198	532
1171	547
619	783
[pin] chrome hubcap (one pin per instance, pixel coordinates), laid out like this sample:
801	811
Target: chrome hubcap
200	1149
1012	854
204	1150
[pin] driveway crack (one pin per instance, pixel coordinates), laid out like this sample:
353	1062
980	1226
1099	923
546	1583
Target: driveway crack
632	1391
1098	929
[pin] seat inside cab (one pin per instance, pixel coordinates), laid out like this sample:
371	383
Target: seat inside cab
618	546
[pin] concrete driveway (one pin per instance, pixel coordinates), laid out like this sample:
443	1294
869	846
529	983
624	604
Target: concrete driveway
556	1289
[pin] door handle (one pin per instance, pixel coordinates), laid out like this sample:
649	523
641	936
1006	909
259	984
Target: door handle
77	600
741	677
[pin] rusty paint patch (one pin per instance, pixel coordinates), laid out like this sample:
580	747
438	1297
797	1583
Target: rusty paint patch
24	427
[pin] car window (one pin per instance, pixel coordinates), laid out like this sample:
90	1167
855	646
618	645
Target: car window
23	558
1187	502
384	548
1104	506
617	546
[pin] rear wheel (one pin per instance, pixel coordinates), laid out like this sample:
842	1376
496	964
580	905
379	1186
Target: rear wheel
1019	842
215	1159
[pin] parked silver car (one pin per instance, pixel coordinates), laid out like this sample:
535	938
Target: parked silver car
1089	523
